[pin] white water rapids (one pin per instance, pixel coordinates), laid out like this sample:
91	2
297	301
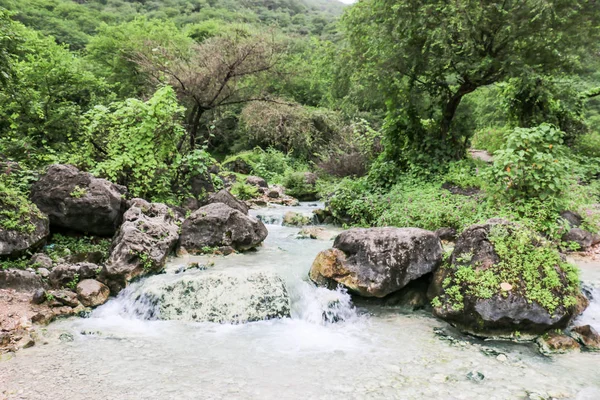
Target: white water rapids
375	353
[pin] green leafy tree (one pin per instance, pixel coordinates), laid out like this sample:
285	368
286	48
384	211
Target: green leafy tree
134	143
429	55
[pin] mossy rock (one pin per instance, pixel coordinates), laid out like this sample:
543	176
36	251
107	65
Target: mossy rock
503	278
23	228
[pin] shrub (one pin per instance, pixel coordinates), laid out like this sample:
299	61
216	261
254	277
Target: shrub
532	165
16	211
297	185
490	139
243	191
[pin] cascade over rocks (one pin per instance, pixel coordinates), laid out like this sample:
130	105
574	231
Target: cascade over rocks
499	308
148	234
79	201
219	225
225	197
377	261
216	296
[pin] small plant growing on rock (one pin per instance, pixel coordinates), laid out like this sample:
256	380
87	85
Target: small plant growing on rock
73	283
78	192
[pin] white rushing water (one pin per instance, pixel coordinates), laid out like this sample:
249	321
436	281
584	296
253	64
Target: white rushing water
374	353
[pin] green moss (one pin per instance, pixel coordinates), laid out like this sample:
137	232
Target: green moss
16	212
531	265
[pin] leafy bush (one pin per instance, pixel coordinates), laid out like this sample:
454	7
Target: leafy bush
135	143
243	191
466	173
16	211
490	139
65	246
533	164
297	185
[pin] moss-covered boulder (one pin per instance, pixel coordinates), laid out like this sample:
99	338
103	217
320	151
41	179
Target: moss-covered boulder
22	226
502	278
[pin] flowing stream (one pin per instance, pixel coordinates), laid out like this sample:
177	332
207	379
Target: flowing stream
327	349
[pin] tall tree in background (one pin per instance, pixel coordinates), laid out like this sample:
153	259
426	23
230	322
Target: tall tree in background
429	55
218	72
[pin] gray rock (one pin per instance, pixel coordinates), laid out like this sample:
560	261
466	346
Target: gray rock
148	234
378	261
39	296
41	260
216	296
447	234
218	225
92	293
20	281
43	272
63	274
223	196
257	181
65	297
572	218
583	238
15	243
79	201
238	165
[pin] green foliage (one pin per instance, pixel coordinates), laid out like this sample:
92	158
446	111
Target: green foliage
490	139
78	192
73	283
18	263
427	56
532	266
61	246
134	143
16	212
297	185
243	191
533	164
466	174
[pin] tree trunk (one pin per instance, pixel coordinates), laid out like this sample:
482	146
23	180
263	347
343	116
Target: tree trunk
194	123
450	111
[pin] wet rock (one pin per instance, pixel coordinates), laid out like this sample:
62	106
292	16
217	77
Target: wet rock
587	336
64	274
19	280
79	201
554	343
378	261
225	297
39	296
218	225
66	337
257	181
572	218
583	238
447	234
475	376
507	309
41	260
315	232
273	194
147	236
14	243
92	293
296	219
223	196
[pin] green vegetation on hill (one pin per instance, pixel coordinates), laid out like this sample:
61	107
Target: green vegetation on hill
382	99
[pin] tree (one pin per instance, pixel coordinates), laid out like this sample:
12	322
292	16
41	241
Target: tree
430	55
218	72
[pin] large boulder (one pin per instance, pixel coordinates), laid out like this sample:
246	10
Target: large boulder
64	274
22	226
19	280
218	225
215	296
78	201
583	238
148	234
225	197
503	278
92	293
378	261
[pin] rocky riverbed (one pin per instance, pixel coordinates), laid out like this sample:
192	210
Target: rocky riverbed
326	349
